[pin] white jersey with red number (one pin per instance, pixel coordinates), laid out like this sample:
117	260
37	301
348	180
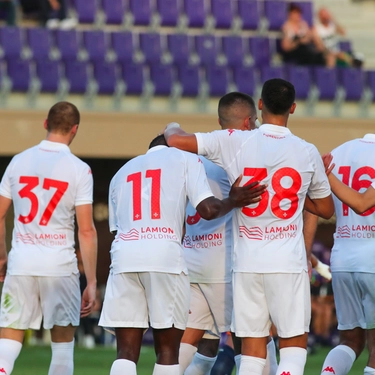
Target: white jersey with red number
208	244
147	203
354	245
45	183
268	235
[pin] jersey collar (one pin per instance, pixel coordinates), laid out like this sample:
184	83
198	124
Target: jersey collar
53	146
269	128
369	137
156	148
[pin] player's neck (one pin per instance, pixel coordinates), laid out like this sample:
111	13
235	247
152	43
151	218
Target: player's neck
276	120
59	138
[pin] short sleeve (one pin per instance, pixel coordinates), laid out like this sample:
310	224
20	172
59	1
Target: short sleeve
319	187
84	192
111	208
197	186
5	185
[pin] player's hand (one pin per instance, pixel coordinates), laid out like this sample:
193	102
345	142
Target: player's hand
323	270
3	269
245	195
327	161
88	300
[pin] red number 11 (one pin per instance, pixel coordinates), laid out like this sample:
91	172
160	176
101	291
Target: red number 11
136	179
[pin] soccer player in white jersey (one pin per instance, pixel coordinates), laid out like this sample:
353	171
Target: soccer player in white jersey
148	281
353	254
208	254
48	185
269	251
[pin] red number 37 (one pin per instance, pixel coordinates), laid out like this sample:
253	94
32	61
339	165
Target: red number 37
281	193
26	192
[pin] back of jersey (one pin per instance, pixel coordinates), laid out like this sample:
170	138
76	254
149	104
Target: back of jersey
354	245
45	183
147	202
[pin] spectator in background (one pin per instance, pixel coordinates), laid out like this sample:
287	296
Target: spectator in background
300	44
54	14
9	7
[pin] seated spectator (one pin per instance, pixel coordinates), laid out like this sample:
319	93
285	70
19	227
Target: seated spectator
300	44
329	31
9	7
53	14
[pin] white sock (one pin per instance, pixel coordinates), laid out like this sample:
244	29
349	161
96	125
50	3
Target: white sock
201	365
123	366
292	360
271	361
166	370
251	365
369	371
237	359
9	351
340	360
62	362
186	355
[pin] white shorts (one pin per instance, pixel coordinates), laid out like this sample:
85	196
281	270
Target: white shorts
211	307
354	294
133	299
280	298
25	300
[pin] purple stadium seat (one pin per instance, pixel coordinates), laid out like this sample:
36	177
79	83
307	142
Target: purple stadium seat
76	73
223	13
168	11
217	79
371	82
11	42
196	12
233	48
276	13
260	50
300	77
269	72
162	77
114	11
307	11
96	45
67	43
39	40
105	74
353	82
206	47
150	44
189	79
19	72
133	76
141	10
48	72
244	79
250	14
326	82
179	47
122	44
86	10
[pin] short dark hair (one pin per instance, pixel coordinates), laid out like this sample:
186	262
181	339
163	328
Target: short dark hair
293	7
278	96
62	117
158	141
231	99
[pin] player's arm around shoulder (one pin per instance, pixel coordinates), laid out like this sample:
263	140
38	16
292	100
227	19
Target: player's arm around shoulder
88	244
176	137
5	204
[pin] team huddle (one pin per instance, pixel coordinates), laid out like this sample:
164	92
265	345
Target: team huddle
212	233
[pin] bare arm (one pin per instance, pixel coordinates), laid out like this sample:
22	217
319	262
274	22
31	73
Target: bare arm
321	207
5	203
310	223
212	208
88	245
176	137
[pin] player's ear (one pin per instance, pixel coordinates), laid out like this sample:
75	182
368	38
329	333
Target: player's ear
260	104
45	124
75	129
293	108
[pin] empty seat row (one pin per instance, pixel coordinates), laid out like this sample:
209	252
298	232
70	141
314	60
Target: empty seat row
122	46
170	12
164	78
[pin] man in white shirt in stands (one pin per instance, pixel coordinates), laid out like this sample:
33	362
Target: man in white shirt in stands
353	254
269	251
47	185
148	281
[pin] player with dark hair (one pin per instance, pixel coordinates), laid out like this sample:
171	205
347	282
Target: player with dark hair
148	282
269	251
47	185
